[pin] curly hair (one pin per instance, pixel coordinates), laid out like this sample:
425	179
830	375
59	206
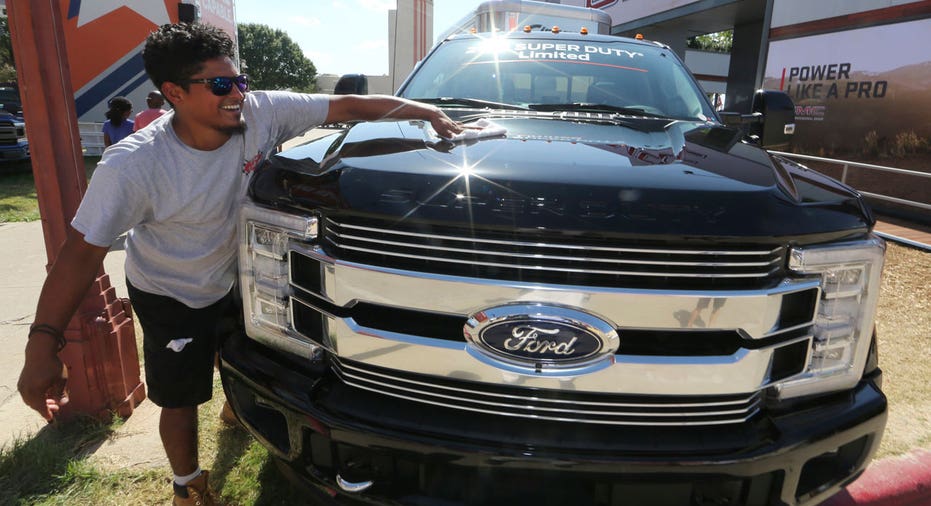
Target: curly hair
174	53
118	107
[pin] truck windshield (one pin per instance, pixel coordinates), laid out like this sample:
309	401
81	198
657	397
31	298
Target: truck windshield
543	73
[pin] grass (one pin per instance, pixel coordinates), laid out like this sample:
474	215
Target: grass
53	468
18	198
18	201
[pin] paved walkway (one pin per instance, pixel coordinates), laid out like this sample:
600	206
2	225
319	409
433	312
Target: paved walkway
22	247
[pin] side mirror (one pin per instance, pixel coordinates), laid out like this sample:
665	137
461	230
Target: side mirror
778	118
352	84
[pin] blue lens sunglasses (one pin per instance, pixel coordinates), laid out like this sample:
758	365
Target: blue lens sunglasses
221	86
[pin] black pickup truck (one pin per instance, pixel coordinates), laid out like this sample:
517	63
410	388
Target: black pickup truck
605	297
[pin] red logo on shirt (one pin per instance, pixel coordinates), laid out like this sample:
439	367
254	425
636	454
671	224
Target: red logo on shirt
249	166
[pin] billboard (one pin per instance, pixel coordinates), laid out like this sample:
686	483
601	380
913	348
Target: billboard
104	41
850	83
630	10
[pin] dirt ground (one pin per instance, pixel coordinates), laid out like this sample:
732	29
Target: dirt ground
904	327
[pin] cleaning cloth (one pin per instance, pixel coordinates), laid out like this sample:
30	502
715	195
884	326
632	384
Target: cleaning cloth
479	130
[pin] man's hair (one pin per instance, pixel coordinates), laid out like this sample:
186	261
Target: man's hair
174	53
154	99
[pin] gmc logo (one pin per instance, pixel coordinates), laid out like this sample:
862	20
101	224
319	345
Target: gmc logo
600	4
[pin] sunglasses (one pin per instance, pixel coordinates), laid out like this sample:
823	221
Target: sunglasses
221	86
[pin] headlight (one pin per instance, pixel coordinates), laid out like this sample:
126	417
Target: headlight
843	325
265	237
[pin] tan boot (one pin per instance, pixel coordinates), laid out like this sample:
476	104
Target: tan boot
198	493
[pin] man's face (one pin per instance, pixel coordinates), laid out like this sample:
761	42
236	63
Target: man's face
203	107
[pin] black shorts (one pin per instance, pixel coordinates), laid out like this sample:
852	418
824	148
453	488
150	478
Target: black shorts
178	372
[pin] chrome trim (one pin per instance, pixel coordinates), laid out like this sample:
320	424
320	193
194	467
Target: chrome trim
754	312
534	408
545	256
573	402
556	246
563	269
739	373
550	257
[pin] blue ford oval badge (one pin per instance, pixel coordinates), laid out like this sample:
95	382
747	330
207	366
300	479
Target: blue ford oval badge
541	337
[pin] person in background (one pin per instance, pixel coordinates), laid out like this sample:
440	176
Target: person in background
155	101
177	187
118	124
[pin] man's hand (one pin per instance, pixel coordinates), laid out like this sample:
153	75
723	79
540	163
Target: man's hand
42	381
444	126
43	378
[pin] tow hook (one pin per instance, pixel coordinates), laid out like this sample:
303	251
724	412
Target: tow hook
353	486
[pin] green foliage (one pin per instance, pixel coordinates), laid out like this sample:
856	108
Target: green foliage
903	144
273	61
7	64
907	143
871	143
720	42
18	198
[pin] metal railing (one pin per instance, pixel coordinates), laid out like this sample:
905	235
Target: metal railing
847	164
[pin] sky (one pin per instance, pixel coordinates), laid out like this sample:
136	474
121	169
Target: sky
342	37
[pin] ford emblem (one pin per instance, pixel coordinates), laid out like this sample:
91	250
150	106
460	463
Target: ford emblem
541	337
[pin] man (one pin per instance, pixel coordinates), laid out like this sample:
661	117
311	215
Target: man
154	101
176	187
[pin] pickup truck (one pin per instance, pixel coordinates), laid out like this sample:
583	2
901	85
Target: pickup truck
607	296
13	142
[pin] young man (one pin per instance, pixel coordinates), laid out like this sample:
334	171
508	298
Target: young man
176	187
154	100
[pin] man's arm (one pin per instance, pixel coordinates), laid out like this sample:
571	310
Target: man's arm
374	107
42	380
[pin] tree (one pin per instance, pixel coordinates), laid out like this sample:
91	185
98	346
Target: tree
273	61
7	64
720	42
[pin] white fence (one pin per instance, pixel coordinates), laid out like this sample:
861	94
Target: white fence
866	166
91	138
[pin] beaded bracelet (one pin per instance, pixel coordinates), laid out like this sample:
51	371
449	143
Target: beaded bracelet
42	328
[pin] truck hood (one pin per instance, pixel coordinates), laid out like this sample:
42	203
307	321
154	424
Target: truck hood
575	173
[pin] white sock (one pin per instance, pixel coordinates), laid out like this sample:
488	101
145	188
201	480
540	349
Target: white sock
184	480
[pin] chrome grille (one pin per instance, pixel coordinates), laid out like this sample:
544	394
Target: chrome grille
552	405
496	255
7	134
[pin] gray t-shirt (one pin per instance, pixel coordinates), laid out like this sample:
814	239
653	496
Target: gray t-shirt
180	205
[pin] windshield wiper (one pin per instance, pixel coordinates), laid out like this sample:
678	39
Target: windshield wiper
470	102
590	107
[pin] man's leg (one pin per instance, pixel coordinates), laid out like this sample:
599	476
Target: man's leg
178	429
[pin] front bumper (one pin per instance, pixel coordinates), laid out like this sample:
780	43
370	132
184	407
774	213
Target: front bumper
17	152
420	454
